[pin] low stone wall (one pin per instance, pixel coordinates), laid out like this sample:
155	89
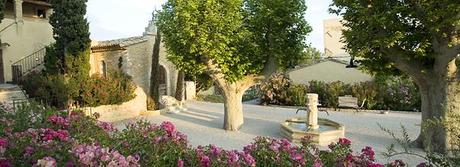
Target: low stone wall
127	110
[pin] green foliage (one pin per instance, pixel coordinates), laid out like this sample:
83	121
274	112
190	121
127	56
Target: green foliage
196	32
391	33
116	88
210	98
395	93
203	81
230	35
278	28
48	89
297	95
310	56
71	32
53	90
368	93
157	147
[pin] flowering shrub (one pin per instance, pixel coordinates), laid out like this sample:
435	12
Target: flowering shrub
214	156
156	145
95	155
273	152
274	90
392	93
59	138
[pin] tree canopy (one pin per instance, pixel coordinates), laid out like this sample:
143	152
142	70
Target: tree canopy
419	38
278	29
233	41
391	35
70	53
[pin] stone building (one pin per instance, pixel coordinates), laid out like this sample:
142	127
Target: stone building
24	33
133	56
333	47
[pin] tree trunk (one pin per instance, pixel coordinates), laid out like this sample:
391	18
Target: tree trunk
180	86
440	100
271	66
233	106
155	73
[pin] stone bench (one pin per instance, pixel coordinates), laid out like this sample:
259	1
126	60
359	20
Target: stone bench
349	102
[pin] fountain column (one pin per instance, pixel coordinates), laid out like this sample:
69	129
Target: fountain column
312	105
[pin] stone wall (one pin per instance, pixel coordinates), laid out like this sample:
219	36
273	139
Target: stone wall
127	110
136	58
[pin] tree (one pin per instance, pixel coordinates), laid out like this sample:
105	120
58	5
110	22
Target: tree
155	72
310	55
221	39
180	86
69	56
279	29
417	38
71	32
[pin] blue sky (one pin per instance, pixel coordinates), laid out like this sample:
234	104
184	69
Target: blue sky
111	19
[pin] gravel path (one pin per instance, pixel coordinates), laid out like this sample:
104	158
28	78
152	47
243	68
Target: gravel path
203	125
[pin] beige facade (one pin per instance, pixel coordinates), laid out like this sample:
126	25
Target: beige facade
333	47
133	56
24	30
328	71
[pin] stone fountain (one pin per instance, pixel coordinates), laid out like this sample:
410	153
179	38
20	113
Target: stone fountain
322	131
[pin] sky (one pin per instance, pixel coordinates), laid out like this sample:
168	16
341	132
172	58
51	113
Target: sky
112	19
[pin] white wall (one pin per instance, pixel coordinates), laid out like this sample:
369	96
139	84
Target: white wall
23	39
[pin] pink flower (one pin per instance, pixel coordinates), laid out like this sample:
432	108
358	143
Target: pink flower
250	161
317	164
5	163
3	143
232	158
344	142
297	157
369	153
59	121
215	151
168	127
205	161
375	165
180	163
107	127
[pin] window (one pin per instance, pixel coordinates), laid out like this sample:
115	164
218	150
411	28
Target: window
41	13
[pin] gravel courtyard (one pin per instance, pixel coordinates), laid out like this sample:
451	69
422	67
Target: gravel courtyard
203	125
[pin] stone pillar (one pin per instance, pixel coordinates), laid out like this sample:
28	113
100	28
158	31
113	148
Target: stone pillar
190	90
312	104
18	11
18	16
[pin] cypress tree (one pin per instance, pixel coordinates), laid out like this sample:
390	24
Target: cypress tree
70	53
69	56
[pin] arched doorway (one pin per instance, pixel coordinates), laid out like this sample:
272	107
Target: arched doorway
163	84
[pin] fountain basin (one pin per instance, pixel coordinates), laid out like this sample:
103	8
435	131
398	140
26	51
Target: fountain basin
295	129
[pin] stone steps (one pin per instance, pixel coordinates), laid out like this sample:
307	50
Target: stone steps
11	93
